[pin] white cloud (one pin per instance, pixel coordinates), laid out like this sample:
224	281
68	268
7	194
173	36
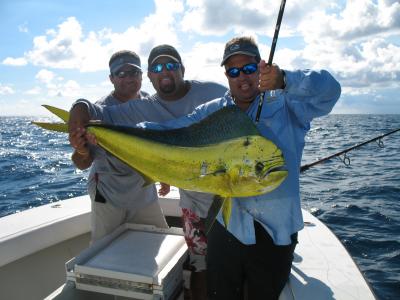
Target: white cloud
68	47
34	91
21	61
6	90
45	76
210	17
56	86
359	19
203	62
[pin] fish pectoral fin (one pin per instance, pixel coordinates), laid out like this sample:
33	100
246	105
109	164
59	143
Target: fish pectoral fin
59	127
227	211
218	202
218	172
213	211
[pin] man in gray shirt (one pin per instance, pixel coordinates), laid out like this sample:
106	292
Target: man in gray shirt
175	97
116	191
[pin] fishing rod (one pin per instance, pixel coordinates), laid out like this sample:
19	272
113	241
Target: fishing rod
271	54
346	159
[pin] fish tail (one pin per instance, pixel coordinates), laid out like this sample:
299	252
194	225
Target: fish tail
61	113
59	127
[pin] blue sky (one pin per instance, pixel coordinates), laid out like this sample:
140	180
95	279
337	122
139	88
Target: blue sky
53	52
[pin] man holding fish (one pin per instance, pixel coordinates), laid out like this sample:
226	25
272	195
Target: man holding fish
116	190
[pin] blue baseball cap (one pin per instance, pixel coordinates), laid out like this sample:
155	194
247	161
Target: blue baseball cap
122	58
241	47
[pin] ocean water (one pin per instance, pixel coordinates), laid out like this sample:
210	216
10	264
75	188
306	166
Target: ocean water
359	202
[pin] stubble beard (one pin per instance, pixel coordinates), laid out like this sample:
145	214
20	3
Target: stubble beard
167	88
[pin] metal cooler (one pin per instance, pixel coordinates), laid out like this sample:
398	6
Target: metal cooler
136	261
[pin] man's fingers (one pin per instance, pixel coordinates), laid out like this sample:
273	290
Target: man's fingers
91	138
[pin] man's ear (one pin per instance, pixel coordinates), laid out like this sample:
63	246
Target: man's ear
111	78
183	71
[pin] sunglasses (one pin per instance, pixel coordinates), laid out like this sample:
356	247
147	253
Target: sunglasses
157	68
130	73
246	69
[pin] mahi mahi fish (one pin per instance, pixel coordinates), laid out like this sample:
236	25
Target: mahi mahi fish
224	154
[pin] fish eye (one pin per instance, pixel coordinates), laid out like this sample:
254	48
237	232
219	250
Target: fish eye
259	167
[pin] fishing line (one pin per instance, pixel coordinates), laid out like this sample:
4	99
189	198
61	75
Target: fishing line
271	54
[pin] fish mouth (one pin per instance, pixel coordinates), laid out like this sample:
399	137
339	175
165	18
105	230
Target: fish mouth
275	169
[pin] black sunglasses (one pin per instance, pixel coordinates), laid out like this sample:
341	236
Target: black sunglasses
246	69
171	66
131	73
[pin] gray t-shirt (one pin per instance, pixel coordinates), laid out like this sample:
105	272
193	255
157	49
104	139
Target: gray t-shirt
117	182
155	109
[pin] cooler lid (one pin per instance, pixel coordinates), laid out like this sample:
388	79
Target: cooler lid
140	256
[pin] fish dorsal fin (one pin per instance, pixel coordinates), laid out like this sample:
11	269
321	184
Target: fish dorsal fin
227	123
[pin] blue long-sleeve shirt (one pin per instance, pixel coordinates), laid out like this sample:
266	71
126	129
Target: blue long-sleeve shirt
285	119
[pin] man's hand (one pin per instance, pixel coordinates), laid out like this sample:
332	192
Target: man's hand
79	118
78	141
164	189
270	77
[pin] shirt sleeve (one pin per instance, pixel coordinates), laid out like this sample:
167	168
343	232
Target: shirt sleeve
121	114
199	113
95	110
311	94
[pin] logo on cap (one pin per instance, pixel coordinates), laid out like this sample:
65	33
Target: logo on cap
234	47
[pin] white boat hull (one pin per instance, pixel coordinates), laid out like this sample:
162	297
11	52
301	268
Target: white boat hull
35	244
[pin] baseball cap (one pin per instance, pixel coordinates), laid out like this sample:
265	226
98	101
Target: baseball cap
122	58
164	51
241	47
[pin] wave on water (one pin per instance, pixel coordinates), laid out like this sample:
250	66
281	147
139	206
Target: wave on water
35	166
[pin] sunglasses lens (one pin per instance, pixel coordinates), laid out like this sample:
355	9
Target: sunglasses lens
131	73
120	74
249	69
172	66
156	68
233	72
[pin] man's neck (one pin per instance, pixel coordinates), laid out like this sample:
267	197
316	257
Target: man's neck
243	105
125	98
180	93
